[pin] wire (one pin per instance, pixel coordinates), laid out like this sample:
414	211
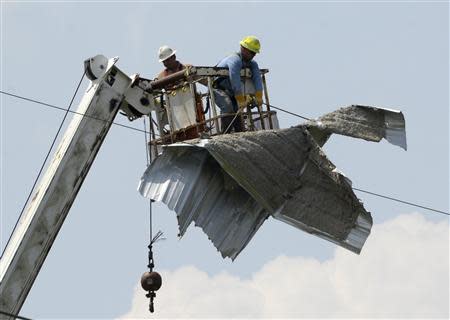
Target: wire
146	143
289	112
48	154
271	106
74	112
16	316
402	201
148	156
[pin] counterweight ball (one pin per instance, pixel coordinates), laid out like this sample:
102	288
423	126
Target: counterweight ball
151	281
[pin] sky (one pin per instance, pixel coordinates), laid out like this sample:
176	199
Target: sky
321	56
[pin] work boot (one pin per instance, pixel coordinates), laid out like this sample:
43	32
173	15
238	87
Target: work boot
225	122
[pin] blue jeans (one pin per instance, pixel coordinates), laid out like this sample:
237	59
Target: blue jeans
224	97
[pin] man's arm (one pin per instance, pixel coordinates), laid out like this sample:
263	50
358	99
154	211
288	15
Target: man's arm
256	75
234	64
257	81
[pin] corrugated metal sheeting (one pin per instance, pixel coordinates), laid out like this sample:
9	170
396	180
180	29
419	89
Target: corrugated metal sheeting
363	122
228	185
192	183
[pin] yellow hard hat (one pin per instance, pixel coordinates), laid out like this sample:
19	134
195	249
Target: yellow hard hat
251	43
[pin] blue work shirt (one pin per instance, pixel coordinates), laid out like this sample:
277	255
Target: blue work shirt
234	63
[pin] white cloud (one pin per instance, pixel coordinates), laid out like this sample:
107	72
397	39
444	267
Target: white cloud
403	271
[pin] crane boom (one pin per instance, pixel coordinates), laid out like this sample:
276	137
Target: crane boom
44	215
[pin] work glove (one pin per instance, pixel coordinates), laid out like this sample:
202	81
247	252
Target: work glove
259	99
241	101
249	99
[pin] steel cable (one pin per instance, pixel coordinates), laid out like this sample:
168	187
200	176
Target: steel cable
286	111
149	159
47	155
402	201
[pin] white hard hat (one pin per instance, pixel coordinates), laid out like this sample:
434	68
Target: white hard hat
165	53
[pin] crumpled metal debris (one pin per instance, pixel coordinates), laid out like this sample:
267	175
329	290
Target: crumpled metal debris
230	184
363	122
192	183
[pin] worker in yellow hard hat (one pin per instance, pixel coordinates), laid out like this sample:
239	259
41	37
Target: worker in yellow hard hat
229	93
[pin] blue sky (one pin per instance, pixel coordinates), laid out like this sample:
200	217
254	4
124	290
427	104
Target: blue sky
321	56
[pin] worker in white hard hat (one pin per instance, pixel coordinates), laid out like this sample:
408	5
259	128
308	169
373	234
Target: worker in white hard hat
167	56
229	94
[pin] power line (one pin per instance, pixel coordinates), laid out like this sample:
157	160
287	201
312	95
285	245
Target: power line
269	105
402	201
286	111
71	111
